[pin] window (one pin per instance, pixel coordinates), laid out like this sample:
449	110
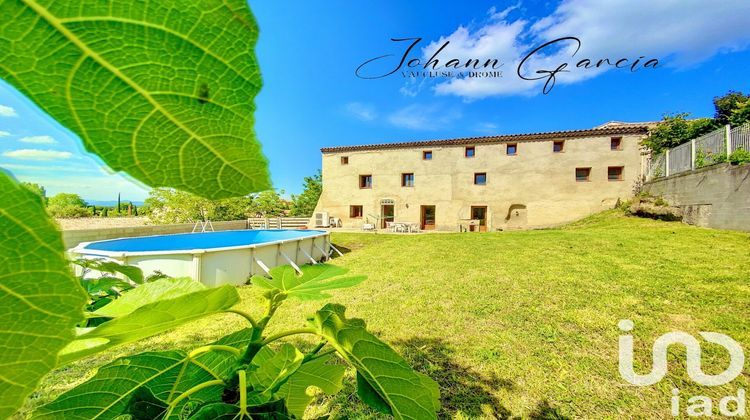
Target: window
480	178
356	212
365	181
427	155
614	173
407	180
558	146
470	151
615	143
511	149
583	174
344	160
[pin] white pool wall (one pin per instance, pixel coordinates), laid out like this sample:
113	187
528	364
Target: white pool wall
217	266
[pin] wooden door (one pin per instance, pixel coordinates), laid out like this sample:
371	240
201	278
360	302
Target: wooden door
427	218
480	213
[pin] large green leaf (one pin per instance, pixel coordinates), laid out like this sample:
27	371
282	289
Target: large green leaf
130	271
315	280
147	293
272	371
40	300
408	394
117	388
151	319
315	373
162	90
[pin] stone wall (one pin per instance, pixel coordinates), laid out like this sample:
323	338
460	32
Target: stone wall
716	196
71	238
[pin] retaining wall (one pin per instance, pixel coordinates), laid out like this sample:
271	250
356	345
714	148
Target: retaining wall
716	196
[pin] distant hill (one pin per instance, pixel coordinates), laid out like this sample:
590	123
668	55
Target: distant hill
110	203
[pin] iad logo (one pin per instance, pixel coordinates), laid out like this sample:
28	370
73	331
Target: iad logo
699	405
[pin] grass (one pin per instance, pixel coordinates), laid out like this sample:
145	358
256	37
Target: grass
523	323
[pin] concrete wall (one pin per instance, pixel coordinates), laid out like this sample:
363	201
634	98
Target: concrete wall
71	238
535	181
717	196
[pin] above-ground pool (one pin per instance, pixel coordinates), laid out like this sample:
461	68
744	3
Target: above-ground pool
214	258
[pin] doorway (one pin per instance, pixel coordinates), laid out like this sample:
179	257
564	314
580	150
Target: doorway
386	215
427	218
479	213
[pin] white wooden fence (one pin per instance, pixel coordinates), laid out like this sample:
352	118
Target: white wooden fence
700	152
277	222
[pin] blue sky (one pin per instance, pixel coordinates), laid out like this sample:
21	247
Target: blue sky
312	97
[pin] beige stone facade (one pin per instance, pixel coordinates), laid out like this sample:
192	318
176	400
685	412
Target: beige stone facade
540	185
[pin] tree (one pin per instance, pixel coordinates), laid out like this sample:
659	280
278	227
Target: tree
67	205
36	188
304	204
269	203
675	129
725	107
167	205
741	114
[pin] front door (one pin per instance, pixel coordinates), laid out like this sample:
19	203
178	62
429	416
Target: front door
479	213
386	215
427	220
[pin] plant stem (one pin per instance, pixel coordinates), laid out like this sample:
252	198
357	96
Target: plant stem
213	347
245	315
243	391
317	348
189	392
288	333
318	356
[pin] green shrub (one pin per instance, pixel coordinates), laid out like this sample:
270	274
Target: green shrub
739	157
68	206
700	158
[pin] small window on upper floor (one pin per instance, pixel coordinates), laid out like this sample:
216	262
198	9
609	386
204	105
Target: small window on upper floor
470	151
583	174
407	180
558	146
355	212
614	173
427	155
480	178
344	160
615	143
365	181
511	149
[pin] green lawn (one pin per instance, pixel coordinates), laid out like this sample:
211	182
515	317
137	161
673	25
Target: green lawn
525	323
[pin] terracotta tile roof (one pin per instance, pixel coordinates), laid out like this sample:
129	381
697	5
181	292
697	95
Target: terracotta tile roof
552	135
608	124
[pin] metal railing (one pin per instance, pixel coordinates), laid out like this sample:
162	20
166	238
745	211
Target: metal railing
706	150
680	158
740	137
277	222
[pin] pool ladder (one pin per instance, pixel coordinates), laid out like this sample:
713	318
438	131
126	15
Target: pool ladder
201	226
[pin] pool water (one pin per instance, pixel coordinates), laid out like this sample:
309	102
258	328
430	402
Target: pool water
192	241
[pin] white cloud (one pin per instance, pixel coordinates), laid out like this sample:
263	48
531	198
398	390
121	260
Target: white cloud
38	140
4	133
486	128
46	167
677	32
6	111
36	154
361	111
424	117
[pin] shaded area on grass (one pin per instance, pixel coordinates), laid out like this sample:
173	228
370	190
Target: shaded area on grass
464	390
